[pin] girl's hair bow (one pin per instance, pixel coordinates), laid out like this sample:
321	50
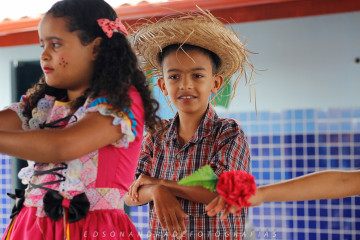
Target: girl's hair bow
109	27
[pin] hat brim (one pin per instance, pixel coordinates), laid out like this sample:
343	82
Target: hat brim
200	30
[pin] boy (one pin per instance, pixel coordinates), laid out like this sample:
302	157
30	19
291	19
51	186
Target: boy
193	55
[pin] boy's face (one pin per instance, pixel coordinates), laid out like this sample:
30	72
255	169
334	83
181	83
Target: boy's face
188	80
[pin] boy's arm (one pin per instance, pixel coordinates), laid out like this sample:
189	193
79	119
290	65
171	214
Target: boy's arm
196	194
192	193
233	150
232	154
167	208
144	196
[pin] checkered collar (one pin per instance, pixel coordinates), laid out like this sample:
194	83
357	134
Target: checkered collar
205	127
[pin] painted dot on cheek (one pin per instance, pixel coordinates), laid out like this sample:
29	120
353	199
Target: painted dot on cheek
63	63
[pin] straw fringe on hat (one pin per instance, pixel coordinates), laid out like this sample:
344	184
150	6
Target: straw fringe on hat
200	29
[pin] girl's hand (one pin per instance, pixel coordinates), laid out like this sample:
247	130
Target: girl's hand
142	180
169	211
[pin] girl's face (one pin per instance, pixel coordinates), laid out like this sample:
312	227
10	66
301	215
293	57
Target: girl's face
66	63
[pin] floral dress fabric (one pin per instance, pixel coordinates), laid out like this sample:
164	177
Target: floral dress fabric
104	175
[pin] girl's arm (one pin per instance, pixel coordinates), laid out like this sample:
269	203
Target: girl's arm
9	120
90	133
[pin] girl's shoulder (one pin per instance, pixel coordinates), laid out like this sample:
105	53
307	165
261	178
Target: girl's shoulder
104	101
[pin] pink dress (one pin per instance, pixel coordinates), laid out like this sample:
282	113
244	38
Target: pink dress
103	176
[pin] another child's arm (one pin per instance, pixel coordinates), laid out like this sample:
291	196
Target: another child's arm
320	185
92	132
9	120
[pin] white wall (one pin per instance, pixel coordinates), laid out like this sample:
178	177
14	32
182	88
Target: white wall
7	56
309	62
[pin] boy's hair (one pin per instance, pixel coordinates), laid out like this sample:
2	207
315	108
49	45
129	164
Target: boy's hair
115	69
214	59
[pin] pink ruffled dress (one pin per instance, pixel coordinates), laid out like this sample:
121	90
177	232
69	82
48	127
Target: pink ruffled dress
103	176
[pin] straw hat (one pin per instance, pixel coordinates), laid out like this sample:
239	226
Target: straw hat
199	29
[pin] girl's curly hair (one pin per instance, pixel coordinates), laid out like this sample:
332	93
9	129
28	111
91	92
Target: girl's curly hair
116	67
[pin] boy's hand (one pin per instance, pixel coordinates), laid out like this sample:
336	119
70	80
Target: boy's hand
142	180
168	210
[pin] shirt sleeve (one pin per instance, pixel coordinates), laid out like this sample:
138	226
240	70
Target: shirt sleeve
233	151
146	157
124	118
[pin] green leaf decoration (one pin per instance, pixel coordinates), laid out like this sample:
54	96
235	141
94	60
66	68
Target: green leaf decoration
204	176
223	96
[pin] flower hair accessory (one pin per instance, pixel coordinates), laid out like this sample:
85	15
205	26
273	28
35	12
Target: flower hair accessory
109	27
236	187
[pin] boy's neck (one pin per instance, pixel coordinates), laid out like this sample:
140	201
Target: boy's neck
188	124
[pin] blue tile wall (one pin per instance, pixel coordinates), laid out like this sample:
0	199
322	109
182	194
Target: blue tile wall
5	186
292	143
140	217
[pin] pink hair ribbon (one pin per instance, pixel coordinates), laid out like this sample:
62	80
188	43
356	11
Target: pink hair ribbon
109	27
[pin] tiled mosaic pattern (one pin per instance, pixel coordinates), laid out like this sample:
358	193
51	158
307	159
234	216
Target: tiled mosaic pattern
292	143
140	217
5	187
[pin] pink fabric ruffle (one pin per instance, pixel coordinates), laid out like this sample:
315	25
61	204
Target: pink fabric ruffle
99	224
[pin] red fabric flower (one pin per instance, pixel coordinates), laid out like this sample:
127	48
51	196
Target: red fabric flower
236	187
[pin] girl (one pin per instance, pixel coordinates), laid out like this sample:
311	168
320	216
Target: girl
81	126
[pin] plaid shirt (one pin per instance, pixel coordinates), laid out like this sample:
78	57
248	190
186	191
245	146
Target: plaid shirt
221	143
